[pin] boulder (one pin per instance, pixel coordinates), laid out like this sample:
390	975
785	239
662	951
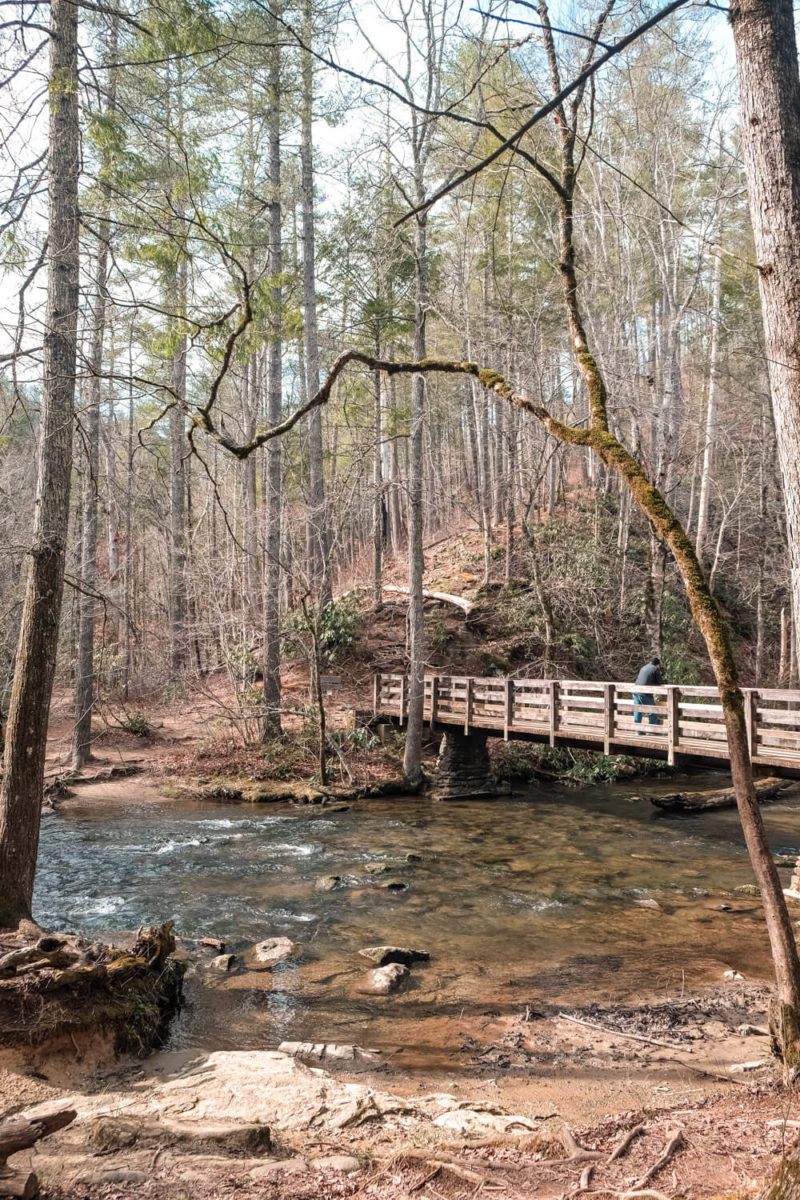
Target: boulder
377	868
267	954
327	883
384	980
383	955
222	964
336	1162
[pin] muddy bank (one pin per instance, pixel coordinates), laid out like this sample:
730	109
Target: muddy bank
54	987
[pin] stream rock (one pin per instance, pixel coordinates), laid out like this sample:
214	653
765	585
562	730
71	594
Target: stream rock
328	1054
384	980
222	964
267	954
327	883
383	955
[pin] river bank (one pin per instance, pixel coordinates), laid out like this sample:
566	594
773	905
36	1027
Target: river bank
591	963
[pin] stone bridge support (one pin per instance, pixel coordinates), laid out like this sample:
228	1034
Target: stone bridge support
463	770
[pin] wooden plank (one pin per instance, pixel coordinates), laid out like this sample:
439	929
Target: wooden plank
509	713
708	727
751	719
402	699
434	699
608	716
790	735
376	693
553	688
673	701
468	707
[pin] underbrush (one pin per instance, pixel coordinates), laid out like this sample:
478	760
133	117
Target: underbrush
525	762
356	758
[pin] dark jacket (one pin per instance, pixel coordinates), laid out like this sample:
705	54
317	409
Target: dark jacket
650	674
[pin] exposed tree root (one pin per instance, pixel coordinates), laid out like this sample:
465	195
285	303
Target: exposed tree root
624	1142
675	1142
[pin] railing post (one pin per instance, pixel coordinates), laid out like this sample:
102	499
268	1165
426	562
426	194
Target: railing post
751	719
509	713
376	694
402	698
468	706
673	724
434	698
553	711
608	713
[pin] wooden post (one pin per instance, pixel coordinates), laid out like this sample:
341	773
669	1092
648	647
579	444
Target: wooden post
673	723
376	694
509	714
434	698
608	713
468	706
402	698
553	710
751	719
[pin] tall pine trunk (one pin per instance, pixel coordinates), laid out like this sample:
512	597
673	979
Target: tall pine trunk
26	732
84	676
271	721
317	533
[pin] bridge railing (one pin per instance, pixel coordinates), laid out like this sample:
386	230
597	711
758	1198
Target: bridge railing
680	720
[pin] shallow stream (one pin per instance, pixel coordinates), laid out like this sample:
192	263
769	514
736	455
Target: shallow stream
535	898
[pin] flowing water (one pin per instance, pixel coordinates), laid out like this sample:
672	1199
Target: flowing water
517	900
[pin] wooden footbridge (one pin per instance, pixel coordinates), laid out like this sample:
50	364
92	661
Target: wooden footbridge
682	723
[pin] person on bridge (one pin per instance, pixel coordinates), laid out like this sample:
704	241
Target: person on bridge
649	674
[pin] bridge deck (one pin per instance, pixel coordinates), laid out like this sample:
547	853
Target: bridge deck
686	721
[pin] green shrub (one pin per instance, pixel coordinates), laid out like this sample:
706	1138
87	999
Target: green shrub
137	724
341	625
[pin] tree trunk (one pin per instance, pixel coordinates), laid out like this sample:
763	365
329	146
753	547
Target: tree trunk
319	574
769	97
412	760
271	721
378	501
26	732
711	416
84	677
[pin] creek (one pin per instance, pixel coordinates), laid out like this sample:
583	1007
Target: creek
524	900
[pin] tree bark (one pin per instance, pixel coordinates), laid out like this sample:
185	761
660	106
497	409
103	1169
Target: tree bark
319	573
84	678
271	720
711	416
769	98
412	758
26	732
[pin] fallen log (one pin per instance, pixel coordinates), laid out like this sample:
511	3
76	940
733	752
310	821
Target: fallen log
466	606
766	789
20	1133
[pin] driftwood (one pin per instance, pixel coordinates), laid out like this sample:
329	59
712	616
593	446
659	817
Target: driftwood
20	1133
636	1037
466	606
766	789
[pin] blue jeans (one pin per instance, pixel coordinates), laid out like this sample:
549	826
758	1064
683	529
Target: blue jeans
644	698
